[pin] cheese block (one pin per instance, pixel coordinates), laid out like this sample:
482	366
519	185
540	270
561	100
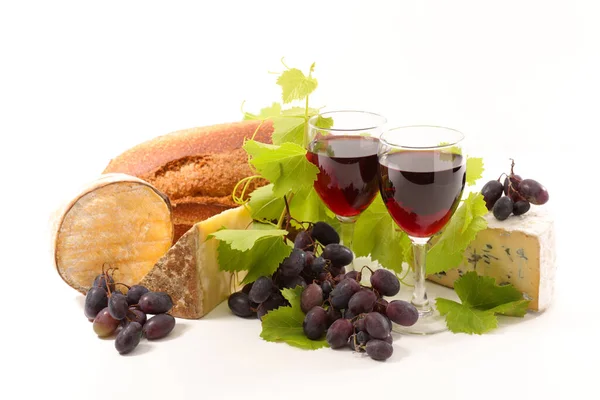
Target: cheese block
519	250
189	271
116	221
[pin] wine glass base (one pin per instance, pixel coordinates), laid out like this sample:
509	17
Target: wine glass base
429	323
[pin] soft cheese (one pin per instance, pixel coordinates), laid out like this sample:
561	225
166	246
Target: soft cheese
189	271
519	251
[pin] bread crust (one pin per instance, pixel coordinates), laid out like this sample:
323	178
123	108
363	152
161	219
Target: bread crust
196	168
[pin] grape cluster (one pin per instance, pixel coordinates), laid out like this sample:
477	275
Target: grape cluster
514	196
336	305
113	312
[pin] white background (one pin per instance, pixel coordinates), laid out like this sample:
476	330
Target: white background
81	81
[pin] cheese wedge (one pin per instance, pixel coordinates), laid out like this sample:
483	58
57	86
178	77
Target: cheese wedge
519	250
116	221
189	271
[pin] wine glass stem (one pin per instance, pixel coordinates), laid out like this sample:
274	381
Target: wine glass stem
347	236
419	297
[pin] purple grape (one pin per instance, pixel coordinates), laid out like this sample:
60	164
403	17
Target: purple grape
100	282
304	241
310	258
117	306
261	290
338	254
491	192
318	265
136	316
363	337
521	207
134	293
128	338
247	288
503	208
293	264
377	325
385	282
362	301
338	333
311	296
158	326
95	300
349	314
272	303
239	303
333	314
315	323
104	324
325	234
359	325
380	306
341	294
327	288
379	350
292	281
402	313
155	303
534	192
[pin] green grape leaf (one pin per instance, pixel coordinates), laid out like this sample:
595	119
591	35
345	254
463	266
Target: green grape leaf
299	112
377	235
285	166
483	293
295	85
285	324
465	319
481	300
513	309
306	205
264	205
245	239
274	110
468	220
324	122
474	170
288	129
262	259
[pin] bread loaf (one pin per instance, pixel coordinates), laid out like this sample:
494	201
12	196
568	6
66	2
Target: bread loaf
196	168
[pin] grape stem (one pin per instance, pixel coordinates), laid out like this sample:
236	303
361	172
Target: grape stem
119	283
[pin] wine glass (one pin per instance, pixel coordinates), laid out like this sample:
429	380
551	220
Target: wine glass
343	145
422	177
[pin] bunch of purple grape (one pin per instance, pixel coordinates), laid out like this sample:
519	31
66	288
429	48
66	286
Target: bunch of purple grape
518	196
335	304
125	315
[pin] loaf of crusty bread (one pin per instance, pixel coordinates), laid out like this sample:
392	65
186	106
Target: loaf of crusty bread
196	168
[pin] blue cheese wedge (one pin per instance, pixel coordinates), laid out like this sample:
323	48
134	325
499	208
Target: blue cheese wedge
519	251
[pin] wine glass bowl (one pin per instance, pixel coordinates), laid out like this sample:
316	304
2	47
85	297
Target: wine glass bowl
344	146
422	175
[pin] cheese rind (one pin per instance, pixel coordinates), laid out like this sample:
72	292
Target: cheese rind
519	250
116	221
190	272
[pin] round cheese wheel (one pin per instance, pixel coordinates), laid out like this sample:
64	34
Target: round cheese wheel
117	221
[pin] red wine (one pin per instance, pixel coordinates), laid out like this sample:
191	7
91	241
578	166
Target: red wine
421	189
348	170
